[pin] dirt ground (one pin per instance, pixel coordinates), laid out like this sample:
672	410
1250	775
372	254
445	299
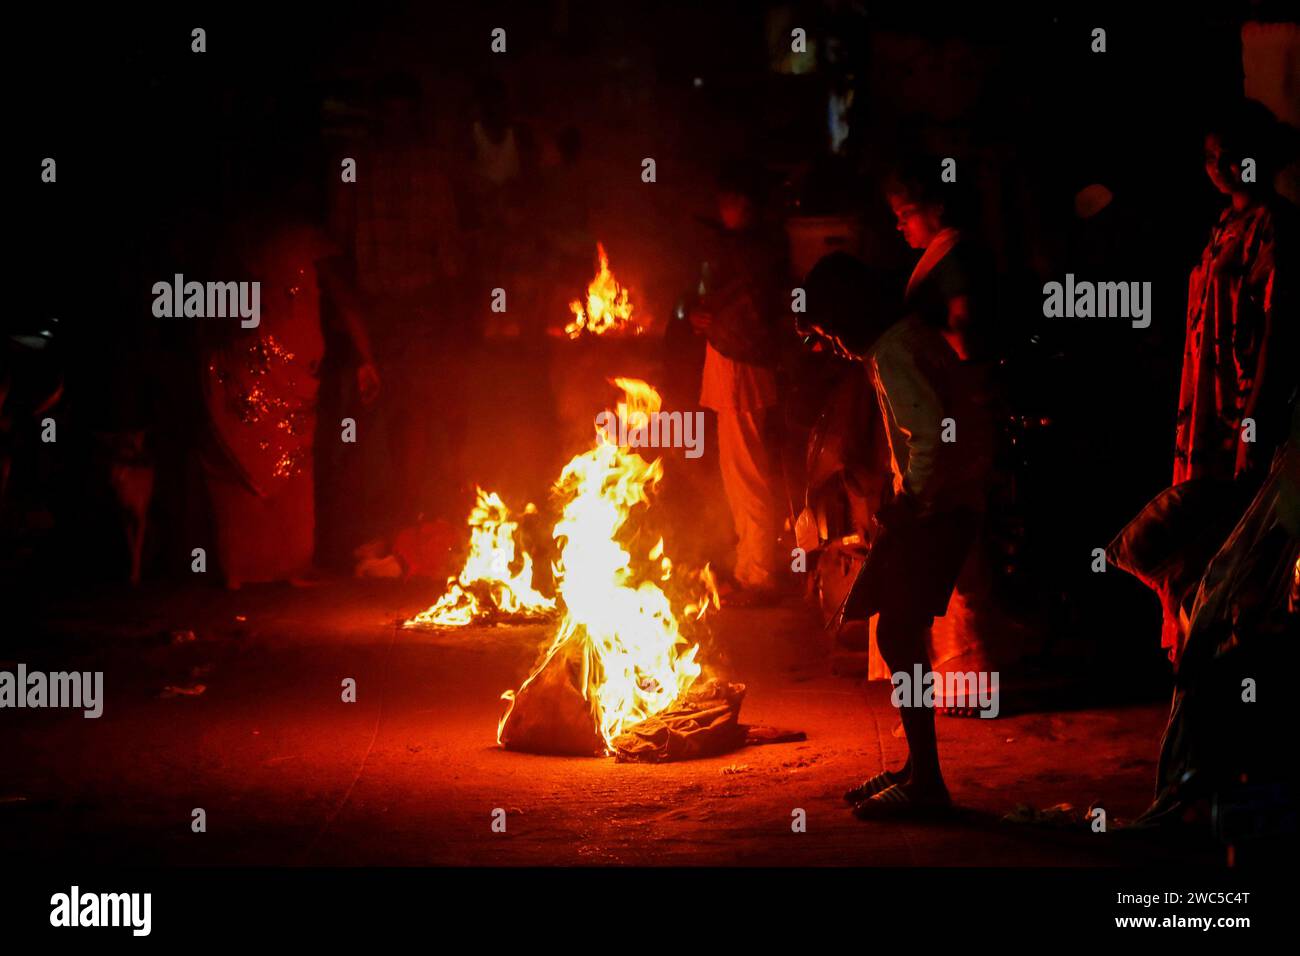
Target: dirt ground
410	773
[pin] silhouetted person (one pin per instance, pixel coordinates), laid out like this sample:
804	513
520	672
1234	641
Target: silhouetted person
737	315
926	528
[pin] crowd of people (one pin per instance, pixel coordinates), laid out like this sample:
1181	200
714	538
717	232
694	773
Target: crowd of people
932	372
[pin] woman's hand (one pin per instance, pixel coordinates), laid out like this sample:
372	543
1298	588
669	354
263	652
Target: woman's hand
368	382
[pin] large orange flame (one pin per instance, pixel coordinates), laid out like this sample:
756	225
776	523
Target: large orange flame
634	659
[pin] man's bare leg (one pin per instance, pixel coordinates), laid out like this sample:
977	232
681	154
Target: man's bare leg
901	638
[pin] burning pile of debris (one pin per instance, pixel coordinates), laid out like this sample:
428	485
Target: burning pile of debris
620	654
619	643
620	673
495	584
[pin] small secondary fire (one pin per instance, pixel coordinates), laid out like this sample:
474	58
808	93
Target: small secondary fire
608	308
494	581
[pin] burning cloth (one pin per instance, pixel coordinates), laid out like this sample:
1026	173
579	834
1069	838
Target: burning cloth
704	723
551	716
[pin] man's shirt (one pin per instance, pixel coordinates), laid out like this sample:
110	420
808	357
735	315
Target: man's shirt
920	385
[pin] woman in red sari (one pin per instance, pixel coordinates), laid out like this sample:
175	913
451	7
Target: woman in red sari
261	387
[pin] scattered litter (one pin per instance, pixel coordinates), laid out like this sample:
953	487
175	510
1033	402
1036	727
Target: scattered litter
760	735
1062	816
183	637
388	567
800	762
736	768
422	550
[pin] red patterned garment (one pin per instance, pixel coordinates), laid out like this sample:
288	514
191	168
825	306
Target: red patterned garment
1229	311
1238	361
261	390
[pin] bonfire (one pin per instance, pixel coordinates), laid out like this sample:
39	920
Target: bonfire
619	642
619	654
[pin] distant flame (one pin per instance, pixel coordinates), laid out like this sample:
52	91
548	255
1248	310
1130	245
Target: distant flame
488	572
608	307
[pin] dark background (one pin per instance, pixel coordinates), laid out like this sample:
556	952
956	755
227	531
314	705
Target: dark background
157	146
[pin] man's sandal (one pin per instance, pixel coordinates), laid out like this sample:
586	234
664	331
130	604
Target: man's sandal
872	786
895	802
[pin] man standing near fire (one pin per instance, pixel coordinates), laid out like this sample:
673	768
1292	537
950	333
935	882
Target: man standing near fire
939	427
736	313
